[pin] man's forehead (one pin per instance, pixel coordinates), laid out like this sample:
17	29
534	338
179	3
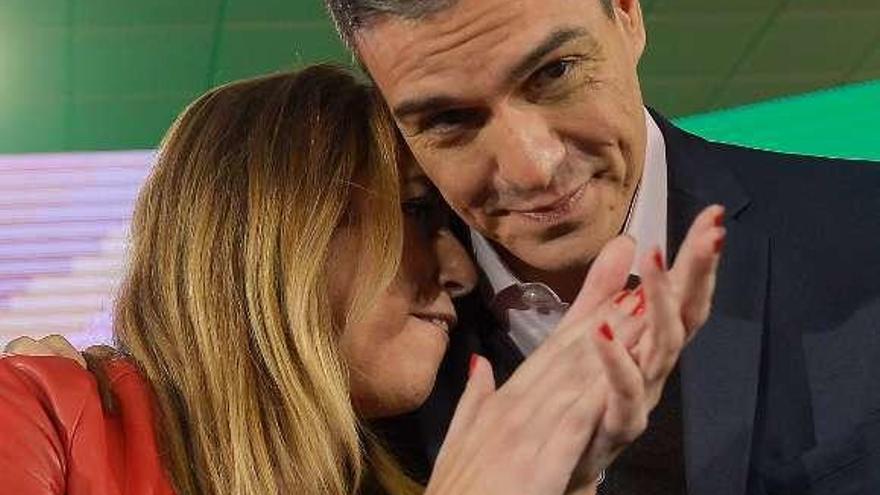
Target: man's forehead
473	44
395	48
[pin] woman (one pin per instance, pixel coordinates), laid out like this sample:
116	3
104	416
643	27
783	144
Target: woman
291	278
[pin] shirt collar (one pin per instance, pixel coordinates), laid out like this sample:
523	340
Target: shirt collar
646	221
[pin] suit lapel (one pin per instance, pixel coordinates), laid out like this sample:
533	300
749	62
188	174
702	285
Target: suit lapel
720	369
720	374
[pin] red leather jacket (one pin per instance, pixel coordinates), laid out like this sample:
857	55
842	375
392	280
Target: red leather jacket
55	437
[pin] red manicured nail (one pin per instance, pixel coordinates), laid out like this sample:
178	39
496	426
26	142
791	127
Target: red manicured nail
639	309
719	244
605	331
472	365
640	295
621	296
658	260
719	219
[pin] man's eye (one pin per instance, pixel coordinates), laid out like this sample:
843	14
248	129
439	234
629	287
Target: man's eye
556	69
554	75
450	121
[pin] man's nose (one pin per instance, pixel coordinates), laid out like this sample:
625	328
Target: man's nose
527	150
457	274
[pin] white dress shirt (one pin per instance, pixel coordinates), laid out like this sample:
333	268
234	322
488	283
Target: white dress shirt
536	309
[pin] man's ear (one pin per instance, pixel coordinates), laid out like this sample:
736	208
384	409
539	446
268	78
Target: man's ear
629	15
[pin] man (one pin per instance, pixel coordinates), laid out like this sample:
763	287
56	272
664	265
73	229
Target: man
528	117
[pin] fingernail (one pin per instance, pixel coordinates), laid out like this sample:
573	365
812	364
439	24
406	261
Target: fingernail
605	331
639	309
719	219
473	364
719	244
621	296
658	259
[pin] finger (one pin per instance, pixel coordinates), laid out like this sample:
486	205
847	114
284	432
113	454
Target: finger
479	387
16	345
567	348
665	337
101	352
628	307
26	346
618	396
61	347
625	415
608	275
572	435
540	406
693	273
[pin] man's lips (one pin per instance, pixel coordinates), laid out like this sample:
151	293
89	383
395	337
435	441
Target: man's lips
554	210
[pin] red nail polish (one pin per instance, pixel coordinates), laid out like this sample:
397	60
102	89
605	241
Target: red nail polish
640	295
719	244
719	219
639	309
472	365
658	260
621	296
606	332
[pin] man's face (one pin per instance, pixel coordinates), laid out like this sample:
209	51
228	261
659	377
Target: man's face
526	114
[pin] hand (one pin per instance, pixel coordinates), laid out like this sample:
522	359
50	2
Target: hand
527	436
57	345
52	345
677	304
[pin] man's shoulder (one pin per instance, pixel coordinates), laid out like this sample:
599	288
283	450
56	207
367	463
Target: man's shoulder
758	163
778	180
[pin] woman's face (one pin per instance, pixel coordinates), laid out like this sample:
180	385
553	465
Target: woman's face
394	351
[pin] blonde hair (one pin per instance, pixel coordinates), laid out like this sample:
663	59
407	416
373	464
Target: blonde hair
224	306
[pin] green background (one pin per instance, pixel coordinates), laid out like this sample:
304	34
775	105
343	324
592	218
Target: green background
112	74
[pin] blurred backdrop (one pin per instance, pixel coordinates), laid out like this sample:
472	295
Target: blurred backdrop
88	87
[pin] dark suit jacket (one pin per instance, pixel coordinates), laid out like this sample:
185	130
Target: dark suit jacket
781	388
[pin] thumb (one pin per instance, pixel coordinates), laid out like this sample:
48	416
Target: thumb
480	386
607	276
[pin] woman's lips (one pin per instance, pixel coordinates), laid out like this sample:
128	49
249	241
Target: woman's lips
442	322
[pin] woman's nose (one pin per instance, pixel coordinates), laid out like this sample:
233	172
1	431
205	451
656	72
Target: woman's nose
457	274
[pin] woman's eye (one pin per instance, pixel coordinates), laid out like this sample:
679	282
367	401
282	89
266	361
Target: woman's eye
418	207
428	211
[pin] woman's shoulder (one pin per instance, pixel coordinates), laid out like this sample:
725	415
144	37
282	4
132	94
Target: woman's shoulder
59	436
37	386
62	388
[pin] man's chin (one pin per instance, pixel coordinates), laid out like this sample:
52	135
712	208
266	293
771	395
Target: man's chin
554	257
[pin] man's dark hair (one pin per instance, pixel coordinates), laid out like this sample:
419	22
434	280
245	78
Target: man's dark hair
351	15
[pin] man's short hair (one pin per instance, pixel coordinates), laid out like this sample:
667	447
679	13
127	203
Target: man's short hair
350	15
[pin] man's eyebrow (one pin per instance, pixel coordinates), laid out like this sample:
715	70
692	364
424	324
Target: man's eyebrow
551	42
420	105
